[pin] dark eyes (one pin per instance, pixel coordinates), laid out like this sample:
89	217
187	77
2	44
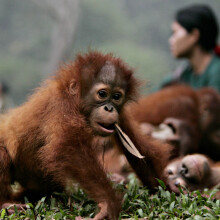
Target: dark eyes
184	170
102	94
117	96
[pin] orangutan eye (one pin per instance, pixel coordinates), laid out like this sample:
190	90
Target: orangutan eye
117	96
184	170
102	94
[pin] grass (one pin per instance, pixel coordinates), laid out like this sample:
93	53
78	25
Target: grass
138	203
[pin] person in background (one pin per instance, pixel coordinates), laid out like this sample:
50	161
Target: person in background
194	37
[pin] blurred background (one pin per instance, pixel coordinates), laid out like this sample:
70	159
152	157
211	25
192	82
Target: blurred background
37	35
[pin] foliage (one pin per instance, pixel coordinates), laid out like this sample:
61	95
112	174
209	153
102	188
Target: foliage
138	203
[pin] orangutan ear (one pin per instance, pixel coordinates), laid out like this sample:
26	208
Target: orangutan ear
73	87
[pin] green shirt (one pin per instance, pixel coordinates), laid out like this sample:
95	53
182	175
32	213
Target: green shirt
209	78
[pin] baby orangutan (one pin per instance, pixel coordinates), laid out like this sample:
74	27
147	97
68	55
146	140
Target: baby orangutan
55	138
193	171
194	118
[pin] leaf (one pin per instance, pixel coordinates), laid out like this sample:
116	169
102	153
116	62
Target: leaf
172	205
16	210
52	203
29	206
140	212
197	217
3	213
212	194
161	183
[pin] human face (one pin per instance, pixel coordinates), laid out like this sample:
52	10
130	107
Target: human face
181	42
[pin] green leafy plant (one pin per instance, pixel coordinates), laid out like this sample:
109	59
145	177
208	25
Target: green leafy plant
138	204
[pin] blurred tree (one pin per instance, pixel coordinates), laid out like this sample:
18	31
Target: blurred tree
65	15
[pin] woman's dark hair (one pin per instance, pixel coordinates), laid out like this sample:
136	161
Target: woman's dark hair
200	17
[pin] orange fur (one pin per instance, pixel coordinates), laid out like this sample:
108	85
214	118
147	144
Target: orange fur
50	143
198	109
